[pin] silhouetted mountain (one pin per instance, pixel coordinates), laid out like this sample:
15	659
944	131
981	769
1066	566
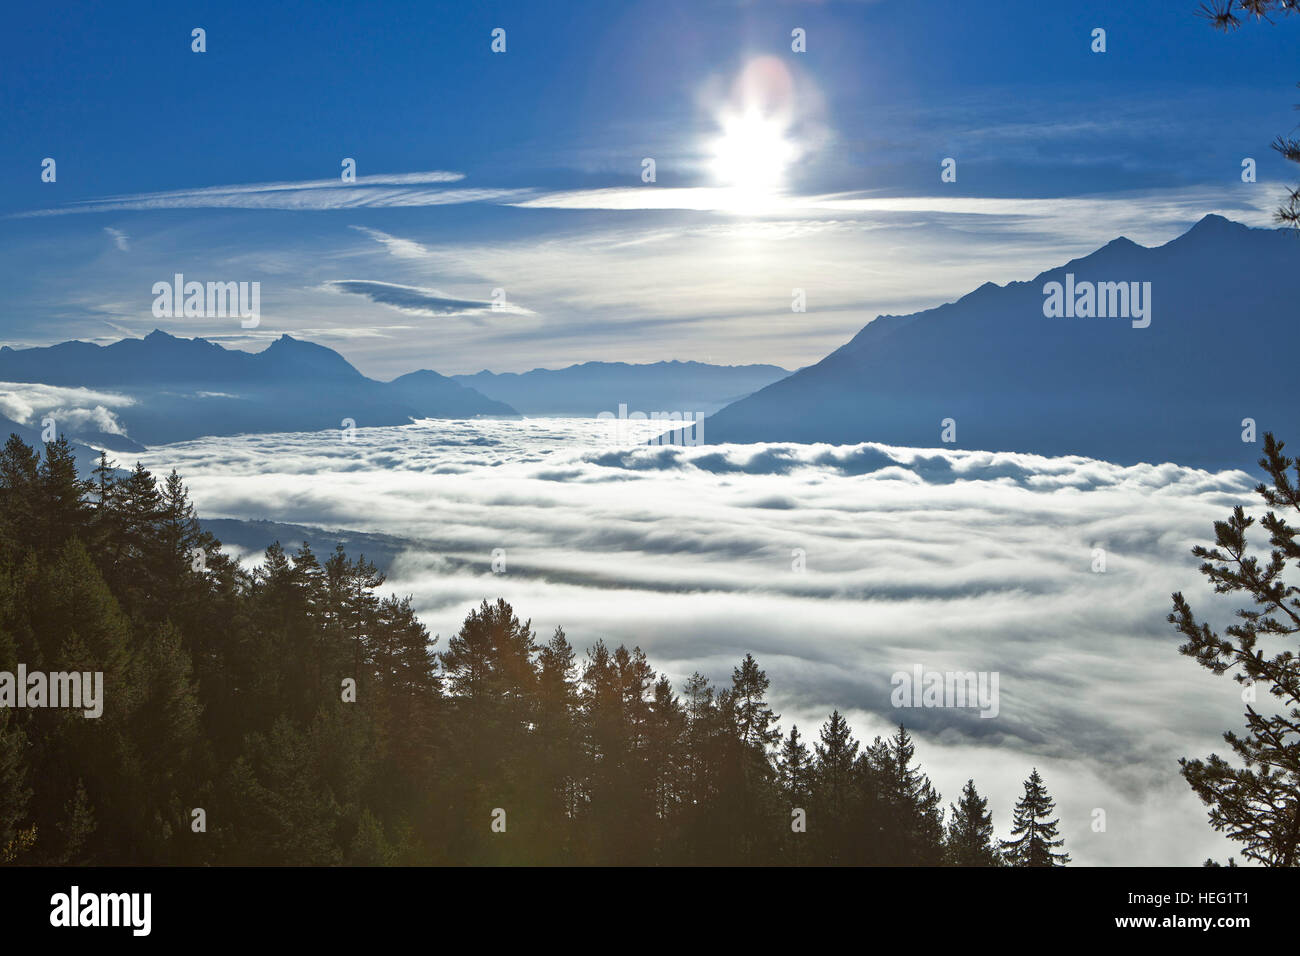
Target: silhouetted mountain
184	388
426	388
595	387
299	359
1220	348
254	537
157	359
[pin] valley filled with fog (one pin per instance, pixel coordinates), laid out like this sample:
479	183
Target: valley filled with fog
951	560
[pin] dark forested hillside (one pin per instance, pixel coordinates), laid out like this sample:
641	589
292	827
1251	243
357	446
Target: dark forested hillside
295	715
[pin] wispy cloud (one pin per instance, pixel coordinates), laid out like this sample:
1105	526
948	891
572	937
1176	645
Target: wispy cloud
397	247
1156	208
639	274
119	238
609	274
417	301
395	190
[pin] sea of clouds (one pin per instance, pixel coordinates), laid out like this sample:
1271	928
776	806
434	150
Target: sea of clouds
949	559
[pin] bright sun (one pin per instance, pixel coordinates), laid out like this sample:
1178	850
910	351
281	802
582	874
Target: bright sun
752	154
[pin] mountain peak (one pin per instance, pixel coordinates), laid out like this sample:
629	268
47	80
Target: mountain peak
159	339
1213	219
1121	384
286	344
289	353
1215	225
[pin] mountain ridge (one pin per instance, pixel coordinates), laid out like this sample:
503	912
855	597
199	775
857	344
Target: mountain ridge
181	388
588	388
1013	379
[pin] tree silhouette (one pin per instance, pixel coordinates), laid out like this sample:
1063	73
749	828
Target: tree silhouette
1033	834
1257	804
969	839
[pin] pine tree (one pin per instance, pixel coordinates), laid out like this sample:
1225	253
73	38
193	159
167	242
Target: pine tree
914	807
139	566
20	519
754	719
105	511
970	831
795	769
351	603
178	524
835	792
285	817
164	731
836	753
699	701
755	799
1035	834
63	511
795	779
667	732
557	730
1257	804
103	482
491	690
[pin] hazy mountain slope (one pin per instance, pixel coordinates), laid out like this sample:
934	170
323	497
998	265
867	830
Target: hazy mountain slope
1221	346
179	389
254	537
595	387
429	389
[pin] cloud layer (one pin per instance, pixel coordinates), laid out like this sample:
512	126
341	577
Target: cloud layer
951	560
27	402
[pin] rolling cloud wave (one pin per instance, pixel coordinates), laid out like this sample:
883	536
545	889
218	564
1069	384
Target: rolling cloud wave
949	559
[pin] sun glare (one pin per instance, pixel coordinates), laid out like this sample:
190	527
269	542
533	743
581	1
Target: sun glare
752	154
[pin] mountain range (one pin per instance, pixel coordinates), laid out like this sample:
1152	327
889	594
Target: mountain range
1193	356
996	372
173	389
162	388
593	387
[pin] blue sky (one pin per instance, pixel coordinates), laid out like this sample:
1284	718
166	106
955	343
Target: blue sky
521	170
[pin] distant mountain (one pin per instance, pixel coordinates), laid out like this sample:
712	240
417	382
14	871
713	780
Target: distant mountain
177	389
1222	345
591	388
426	389
254	537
